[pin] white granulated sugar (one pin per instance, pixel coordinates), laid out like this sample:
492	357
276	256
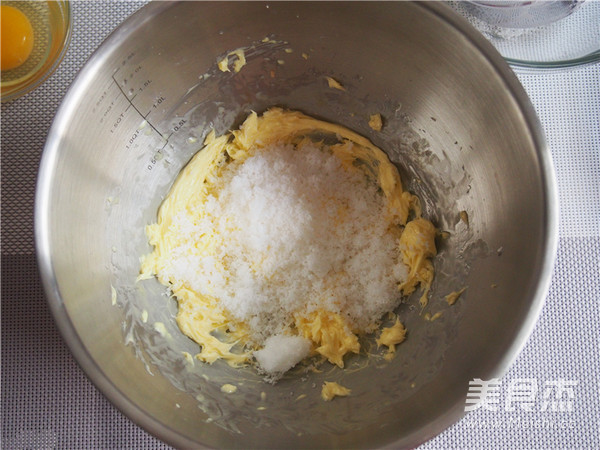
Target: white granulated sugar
280	353
292	230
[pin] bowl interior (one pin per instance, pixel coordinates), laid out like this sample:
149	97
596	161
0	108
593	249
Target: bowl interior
457	125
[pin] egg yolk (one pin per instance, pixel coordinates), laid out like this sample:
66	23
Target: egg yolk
16	37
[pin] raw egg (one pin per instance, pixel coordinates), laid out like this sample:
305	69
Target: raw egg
16	37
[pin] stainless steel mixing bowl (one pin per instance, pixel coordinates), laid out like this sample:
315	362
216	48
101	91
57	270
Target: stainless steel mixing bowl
457	123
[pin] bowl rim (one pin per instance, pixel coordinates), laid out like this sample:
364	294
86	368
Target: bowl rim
118	398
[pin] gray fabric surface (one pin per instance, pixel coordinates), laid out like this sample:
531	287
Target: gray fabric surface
47	402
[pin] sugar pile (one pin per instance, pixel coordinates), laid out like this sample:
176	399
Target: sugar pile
291	231
280	353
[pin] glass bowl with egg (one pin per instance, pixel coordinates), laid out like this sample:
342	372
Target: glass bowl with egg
35	37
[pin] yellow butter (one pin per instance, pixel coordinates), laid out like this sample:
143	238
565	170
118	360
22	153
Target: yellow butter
330	390
201	317
330	333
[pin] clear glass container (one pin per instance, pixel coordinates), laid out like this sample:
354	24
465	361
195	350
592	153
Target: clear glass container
543	34
51	23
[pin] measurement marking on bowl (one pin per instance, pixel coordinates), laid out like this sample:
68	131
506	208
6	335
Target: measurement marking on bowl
125	103
131	104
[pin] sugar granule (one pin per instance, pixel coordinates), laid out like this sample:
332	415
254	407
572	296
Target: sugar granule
292	231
